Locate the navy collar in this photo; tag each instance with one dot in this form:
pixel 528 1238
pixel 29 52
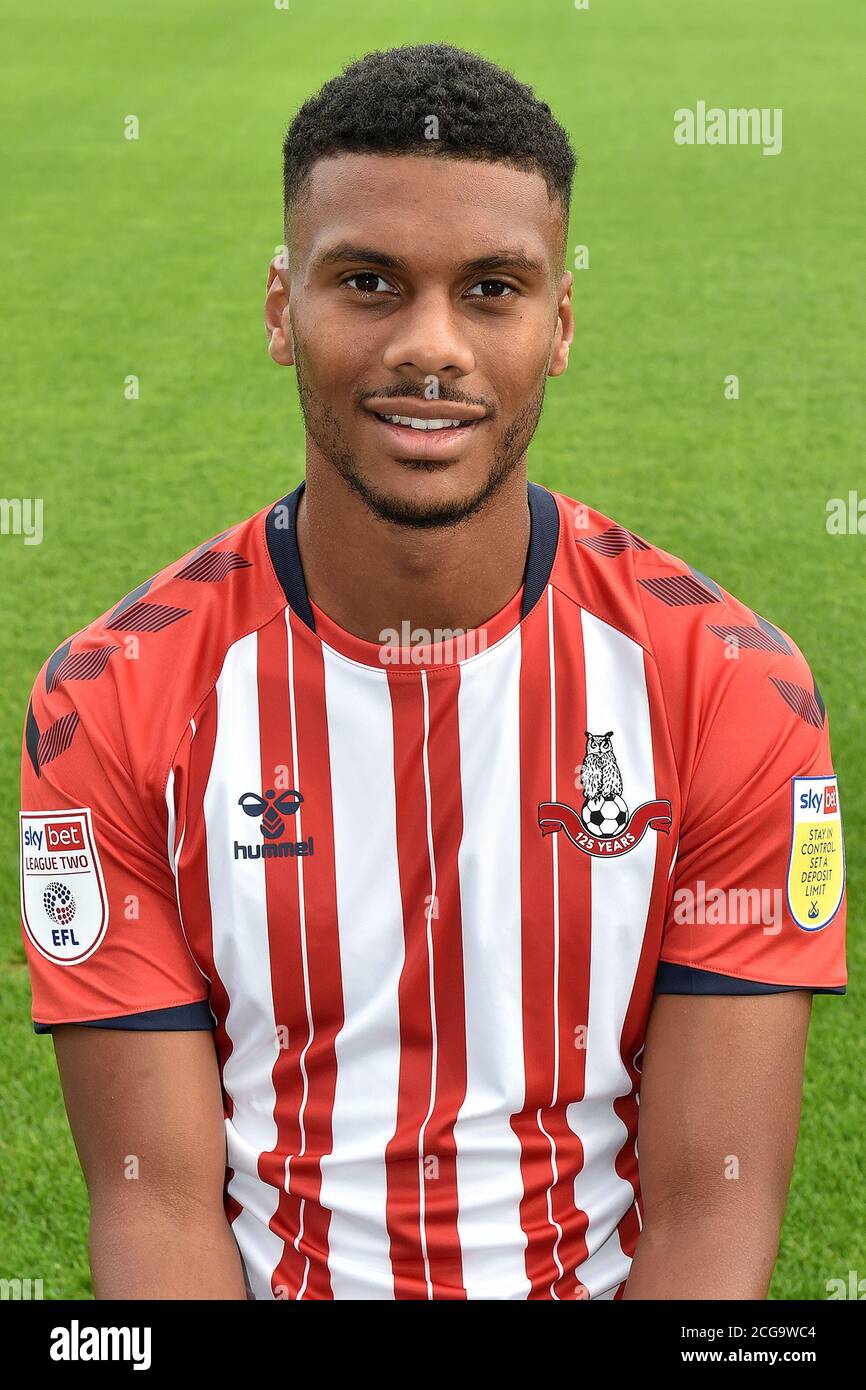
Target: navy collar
pixel 282 538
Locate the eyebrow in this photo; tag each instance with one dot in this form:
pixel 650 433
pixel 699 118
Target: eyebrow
pixel 345 251
pixel 506 259
pixel 503 260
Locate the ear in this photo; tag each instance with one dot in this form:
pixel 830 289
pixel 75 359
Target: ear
pixel 587 734
pixel 564 329
pixel 277 323
pixel 609 733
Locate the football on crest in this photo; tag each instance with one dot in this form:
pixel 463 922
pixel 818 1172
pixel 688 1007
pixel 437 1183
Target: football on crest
pixel 605 815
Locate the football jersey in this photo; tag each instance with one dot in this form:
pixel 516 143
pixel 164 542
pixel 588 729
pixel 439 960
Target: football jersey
pixel 425 889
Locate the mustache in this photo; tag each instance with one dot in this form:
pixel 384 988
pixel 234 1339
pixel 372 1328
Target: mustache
pixel 417 391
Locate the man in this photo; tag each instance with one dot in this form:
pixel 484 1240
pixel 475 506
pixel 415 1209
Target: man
pixel 458 812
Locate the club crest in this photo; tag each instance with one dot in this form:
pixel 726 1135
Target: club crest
pixel 604 826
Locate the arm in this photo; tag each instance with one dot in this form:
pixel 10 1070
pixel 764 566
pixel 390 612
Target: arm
pixel 146 1114
pixel 721 1088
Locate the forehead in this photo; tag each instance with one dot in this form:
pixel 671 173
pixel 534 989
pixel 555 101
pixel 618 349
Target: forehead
pixel 425 209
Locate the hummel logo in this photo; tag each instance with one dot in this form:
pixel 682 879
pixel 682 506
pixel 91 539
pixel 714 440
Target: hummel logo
pixel 273 808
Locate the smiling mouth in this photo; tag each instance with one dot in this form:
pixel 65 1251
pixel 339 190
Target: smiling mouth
pixel 414 422
pixel 424 433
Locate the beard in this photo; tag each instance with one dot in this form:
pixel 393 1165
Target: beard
pixel 324 428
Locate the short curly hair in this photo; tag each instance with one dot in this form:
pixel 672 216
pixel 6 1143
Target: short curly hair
pixel 384 102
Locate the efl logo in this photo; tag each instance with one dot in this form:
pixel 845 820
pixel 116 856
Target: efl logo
pixel 64 835
pixel 830 799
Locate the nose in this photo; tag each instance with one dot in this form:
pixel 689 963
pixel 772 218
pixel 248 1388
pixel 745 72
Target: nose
pixel 428 339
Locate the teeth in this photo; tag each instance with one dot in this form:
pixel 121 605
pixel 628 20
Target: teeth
pixel 414 423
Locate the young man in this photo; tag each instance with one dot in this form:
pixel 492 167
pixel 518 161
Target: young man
pixel 458 812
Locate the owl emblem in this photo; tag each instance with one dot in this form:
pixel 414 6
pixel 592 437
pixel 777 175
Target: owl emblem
pixel 604 812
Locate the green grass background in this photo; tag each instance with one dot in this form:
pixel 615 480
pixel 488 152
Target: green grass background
pixel 149 257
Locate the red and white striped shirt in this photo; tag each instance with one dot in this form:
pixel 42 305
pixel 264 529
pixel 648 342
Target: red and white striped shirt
pixel 425 893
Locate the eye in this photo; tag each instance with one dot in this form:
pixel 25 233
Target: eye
pixel 368 282
pixel 491 289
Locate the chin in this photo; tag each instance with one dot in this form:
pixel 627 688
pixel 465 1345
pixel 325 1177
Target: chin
pixel 426 495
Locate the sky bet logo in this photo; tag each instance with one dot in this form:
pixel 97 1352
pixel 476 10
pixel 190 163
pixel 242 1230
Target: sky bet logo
pixel 56 835
pixel 823 802
pixel 272 810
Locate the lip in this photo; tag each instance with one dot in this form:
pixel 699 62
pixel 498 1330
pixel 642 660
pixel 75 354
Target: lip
pixel 431 445
pixel 423 410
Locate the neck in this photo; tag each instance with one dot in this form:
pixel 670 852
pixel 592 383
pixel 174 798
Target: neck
pixel 369 575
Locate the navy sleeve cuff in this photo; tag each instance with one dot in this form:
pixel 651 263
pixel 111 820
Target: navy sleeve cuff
pixel 687 979
pixel 182 1018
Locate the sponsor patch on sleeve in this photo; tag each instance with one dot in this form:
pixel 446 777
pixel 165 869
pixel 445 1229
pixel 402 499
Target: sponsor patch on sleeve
pixel 816 865
pixel 64 905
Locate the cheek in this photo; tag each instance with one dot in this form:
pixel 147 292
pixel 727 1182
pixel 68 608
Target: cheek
pixel 516 356
pixel 328 353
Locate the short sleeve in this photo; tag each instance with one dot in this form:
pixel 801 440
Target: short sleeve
pixel 757 896
pixel 99 912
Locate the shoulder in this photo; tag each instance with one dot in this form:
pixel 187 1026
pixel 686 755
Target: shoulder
pixel 131 679
pixel 713 657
